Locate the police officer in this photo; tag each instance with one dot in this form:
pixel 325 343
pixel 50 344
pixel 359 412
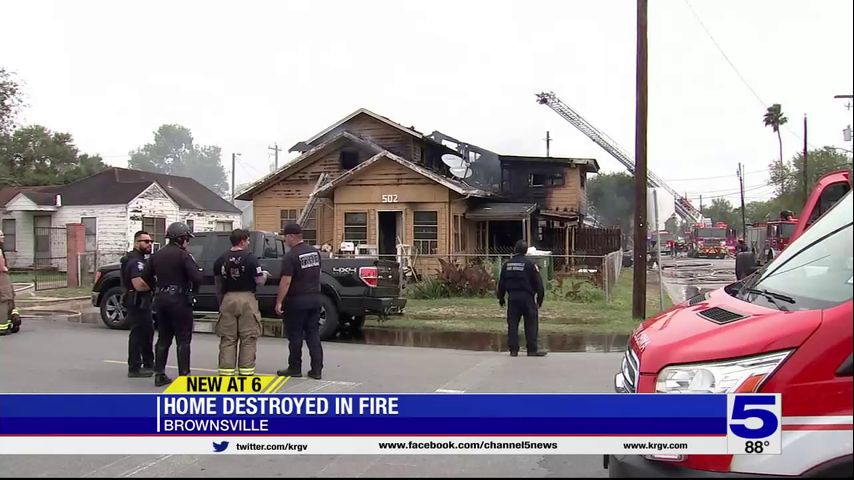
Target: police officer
pixel 176 275
pixel 137 300
pixel 236 274
pixel 520 280
pixel 299 289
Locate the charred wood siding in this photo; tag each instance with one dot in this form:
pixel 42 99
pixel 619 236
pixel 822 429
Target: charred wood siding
pixel 570 196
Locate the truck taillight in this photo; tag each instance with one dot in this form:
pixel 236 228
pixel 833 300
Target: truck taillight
pixel 369 275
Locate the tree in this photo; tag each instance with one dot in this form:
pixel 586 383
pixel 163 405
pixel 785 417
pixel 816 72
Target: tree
pixel 611 197
pixel 174 153
pixel 35 155
pixel 672 225
pixel 721 210
pixel 774 118
pixel 11 101
pixel 788 177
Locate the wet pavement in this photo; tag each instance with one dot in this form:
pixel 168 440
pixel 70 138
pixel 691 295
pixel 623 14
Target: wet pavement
pixel 482 341
pixel 685 277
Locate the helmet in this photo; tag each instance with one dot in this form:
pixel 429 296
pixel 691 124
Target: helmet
pixel 177 230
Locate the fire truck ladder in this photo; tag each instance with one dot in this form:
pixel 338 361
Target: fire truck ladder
pixel 683 207
pixel 312 199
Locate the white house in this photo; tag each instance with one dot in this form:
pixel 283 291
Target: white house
pixel 113 205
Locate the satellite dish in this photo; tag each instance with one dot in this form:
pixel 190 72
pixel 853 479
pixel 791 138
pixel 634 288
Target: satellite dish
pixel 461 172
pixel 453 161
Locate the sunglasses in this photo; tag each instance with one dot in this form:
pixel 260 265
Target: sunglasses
pixel 144 241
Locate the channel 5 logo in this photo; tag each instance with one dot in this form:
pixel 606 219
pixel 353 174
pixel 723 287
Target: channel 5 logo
pixel 754 416
pixel 220 447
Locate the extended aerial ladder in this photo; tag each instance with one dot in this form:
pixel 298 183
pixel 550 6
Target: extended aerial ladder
pixel 683 207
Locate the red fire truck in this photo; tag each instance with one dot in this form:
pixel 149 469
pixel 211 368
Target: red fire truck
pixel 711 241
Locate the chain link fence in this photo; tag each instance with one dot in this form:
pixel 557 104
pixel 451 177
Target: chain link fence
pixel 603 271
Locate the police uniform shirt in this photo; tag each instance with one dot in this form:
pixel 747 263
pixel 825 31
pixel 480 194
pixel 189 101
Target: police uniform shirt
pixel 302 264
pixel 520 275
pixel 238 270
pixel 172 266
pixel 135 266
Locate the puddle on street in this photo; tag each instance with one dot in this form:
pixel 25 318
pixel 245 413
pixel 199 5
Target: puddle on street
pixel 480 341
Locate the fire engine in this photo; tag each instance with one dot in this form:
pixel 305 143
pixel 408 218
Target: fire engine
pixel 768 238
pixel 711 241
pixel 785 329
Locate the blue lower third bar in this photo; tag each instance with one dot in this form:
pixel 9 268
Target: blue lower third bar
pixel 389 414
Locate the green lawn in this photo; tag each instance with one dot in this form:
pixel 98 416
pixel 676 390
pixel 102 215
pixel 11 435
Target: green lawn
pixel 556 317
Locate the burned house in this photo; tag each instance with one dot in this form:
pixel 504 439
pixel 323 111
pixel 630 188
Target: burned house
pixel 371 181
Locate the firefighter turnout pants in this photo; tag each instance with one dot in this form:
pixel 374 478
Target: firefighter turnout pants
pixel 7 304
pixel 238 328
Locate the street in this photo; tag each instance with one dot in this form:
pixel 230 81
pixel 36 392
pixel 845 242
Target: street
pixel 57 356
pixel 685 277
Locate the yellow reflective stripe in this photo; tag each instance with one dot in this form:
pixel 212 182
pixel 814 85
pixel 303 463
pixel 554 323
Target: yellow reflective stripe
pixel 227 372
pixel 247 372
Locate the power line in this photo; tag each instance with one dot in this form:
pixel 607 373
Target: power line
pixel 734 68
pixel 710 178
pixel 752 187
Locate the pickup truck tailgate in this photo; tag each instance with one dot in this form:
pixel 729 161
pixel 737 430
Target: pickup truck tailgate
pixel 388 283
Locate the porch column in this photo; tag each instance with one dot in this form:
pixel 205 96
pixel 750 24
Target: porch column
pixel 75 243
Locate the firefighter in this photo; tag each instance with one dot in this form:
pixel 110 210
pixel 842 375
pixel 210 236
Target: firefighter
pixel 137 301
pixel 175 275
pixel 236 274
pixel 520 281
pixel 10 319
pixel 299 289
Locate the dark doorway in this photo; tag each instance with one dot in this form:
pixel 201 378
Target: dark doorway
pixel 389 232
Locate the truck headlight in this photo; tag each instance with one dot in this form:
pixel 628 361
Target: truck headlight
pixel 742 375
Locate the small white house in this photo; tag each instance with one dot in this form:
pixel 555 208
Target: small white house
pixel 113 205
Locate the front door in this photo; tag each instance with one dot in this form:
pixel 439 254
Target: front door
pixel 389 229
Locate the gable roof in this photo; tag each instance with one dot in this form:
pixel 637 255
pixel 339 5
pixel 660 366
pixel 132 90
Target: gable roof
pixel 301 145
pixel 303 161
pixel 115 186
pixel 8 193
pixel 452 184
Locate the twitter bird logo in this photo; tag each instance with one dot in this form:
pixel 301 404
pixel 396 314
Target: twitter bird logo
pixel 220 447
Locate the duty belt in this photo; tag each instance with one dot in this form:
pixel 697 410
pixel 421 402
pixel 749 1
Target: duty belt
pixel 173 290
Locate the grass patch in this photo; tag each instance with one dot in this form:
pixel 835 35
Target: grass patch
pixel 65 292
pixel 556 317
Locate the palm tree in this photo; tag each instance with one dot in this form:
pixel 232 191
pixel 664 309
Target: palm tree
pixel 774 118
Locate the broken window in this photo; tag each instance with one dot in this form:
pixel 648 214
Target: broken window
pixel 349 159
pixel 545 179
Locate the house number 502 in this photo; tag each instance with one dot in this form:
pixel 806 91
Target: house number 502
pixel 389 198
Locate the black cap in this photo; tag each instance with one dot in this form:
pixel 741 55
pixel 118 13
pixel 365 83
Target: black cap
pixel 292 229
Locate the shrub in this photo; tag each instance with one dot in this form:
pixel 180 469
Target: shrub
pixel 582 291
pixel 470 280
pixel 427 289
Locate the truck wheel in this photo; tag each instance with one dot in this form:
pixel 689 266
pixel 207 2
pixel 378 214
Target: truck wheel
pixel 328 318
pixel 357 323
pixel 113 313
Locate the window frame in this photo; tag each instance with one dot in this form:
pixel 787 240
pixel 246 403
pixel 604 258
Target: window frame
pixel 419 244
pixel 93 235
pixel 159 237
pixel 286 219
pixel 350 227
pixel 10 246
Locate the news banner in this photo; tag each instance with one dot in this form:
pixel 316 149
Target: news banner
pixel 249 415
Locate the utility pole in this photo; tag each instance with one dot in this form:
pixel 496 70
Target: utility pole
pixel 703 215
pixel 275 148
pixel 548 143
pixel 806 181
pixel 639 274
pixel 741 188
pixel 233 162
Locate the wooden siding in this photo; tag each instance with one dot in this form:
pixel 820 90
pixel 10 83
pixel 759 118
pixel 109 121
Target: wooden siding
pixel 567 196
pixel 369 128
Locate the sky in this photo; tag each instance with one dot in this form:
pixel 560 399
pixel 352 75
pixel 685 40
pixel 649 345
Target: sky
pixel 246 75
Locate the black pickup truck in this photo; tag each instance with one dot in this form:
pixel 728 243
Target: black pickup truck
pixel 352 287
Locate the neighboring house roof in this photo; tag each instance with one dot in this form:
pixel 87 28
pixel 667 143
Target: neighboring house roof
pixel 8 193
pixel 115 186
pixel 455 185
pixel 590 165
pixel 303 161
pixel 501 211
pixel 302 145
